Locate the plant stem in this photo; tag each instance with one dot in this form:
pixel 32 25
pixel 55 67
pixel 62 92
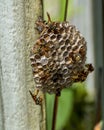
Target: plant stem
pixel 42 3
pixel 55 112
pixel 58 94
pixel 66 8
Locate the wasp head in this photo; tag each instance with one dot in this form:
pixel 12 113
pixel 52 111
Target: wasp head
pixel 42 24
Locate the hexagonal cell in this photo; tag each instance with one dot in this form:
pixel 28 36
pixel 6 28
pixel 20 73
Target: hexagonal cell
pixel 59 37
pixel 53 37
pixel 53 47
pixel 62 30
pixel 75 41
pixel 39 66
pixel 46 38
pixel 59 51
pixel 54 53
pixel 50 44
pixel 42 40
pixel 65 70
pixel 56 77
pixel 65 53
pixel 67 41
pixel 41 73
pixel 56 45
pixel 68 48
pixel 73 29
pixel 55 31
pixel 69 81
pixel 77 32
pixel 71 42
pixel 33 63
pixel 63 47
pixel 62 42
pixel 71 37
pixel 51 66
pixel 64 35
pixel 37 57
pixel 62 63
pixel 32 57
pixel 65 24
pixel 34 70
pixel 45 67
pixel 62 81
pixel 67 30
pixel 76 36
pixel 74 48
pixel 45 35
pixel 44 60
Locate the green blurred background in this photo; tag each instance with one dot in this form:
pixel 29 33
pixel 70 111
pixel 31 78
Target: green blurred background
pixel 80 104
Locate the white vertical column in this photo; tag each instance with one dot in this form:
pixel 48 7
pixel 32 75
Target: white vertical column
pixel 12 52
pixel 17 36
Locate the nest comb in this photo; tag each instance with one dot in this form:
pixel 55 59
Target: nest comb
pixel 58 56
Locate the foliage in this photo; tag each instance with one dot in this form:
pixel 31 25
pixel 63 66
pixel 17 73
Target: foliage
pixel 71 108
pixel 56 9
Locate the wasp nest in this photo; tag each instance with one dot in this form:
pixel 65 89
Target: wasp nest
pixel 58 56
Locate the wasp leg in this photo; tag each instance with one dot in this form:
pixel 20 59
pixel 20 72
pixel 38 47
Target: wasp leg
pixel 36 98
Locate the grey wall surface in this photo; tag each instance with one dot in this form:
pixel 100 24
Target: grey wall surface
pixel 17 35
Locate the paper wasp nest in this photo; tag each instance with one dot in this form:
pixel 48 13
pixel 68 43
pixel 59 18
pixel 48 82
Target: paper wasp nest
pixel 58 56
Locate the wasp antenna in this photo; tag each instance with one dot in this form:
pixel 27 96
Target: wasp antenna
pixel 49 18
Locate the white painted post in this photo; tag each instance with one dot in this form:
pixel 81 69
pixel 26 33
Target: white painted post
pixel 17 35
